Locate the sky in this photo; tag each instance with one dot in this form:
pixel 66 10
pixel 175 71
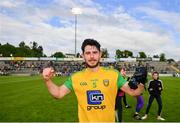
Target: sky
pixel 151 26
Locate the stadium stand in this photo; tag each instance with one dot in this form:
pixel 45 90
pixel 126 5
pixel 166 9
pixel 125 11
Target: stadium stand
pixel 65 67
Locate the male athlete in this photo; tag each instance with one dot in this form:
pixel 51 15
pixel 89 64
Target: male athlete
pixel 95 87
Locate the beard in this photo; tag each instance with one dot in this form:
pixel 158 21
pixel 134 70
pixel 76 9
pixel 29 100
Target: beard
pixel 92 66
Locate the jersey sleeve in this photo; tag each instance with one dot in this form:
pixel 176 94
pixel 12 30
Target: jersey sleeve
pixel 120 81
pixel 68 84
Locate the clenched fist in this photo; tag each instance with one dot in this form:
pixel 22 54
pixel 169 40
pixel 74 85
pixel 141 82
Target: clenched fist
pixel 48 73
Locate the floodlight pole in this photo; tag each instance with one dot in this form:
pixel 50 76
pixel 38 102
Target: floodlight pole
pixel 75 34
pixel 76 12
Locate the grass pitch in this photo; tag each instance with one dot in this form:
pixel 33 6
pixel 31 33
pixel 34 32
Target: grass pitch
pixel 26 99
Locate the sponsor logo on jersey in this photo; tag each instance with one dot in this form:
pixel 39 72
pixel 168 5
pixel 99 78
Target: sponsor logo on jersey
pixel 94 99
pixel 96 107
pixel 83 83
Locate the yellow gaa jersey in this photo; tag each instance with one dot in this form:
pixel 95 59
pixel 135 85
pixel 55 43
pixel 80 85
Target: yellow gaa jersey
pixel 96 93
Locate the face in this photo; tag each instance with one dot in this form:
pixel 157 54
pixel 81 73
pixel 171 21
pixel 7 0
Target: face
pixel 155 76
pixel 123 72
pixel 91 56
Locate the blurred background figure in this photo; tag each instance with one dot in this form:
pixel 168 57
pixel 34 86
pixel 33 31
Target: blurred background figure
pixel 120 95
pixel 155 87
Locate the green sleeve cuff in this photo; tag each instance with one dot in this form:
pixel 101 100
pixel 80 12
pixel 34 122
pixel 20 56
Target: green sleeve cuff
pixel 120 81
pixel 68 84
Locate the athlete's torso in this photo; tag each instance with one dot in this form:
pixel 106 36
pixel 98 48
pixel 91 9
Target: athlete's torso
pixel 96 93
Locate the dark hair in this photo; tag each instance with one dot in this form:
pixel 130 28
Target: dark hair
pixel 155 72
pixel 91 42
pixel 122 68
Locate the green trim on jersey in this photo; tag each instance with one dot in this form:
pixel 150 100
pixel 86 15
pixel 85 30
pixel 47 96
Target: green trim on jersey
pixel 120 81
pixel 68 83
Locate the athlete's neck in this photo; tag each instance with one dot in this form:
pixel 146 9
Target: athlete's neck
pixel 94 69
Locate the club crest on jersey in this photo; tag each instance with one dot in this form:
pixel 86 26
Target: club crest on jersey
pixel 106 82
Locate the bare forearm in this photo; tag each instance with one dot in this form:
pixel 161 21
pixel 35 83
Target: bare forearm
pixel 139 90
pixel 53 89
pixel 57 91
pixel 133 92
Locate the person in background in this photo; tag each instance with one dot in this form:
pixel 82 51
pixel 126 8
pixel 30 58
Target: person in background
pixel 139 106
pixel 119 96
pixel 155 87
pixel 140 100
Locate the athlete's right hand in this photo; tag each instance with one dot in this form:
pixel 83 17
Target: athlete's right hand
pixel 48 73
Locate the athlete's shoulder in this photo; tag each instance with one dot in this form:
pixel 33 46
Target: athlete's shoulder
pixel 109 69
pixel 78 73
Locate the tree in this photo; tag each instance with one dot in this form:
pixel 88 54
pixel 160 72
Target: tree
pixel 37 51
pixel 78 55
pixel 105 53
pixel 155 56
pixel 40 50
pixel 7 49
pixel 170 60
pixel 34 45
pixel 142 55
pixel 23 50
pixel 22 44
pixel 123 54
pixel 119 54
pixel 162 57
pixel 127 54
pixel 58 55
